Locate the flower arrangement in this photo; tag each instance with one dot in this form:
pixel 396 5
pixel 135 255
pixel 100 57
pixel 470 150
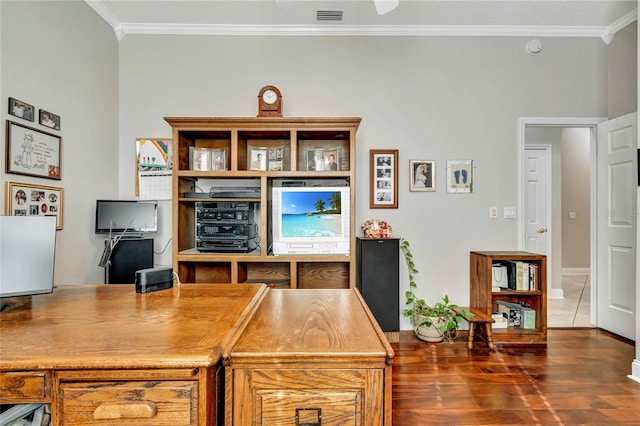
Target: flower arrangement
pixel 376 228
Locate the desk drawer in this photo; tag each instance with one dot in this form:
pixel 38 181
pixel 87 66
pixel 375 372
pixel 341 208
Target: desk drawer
pixel 325 407
pixel 131 403
pixel 24 386
pixel 288 397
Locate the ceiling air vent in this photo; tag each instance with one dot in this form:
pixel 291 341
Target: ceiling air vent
pixel 329 15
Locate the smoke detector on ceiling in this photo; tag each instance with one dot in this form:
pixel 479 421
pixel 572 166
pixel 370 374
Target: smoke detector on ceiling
pixel 534 46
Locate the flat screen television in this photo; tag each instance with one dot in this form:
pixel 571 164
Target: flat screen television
pixel 27 254
pixel 310 220
pixel 126 216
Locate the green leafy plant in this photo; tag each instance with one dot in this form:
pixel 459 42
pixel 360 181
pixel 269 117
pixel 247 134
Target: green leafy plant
pixel 441 314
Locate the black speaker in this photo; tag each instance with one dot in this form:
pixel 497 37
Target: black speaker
pixel 378 279
pixel 127 257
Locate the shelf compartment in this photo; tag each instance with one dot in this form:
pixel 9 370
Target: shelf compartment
pixel 274 146
pixel 314 275
pixel 212 139
pixel 313 154
pixel 274 274
pixel 200 272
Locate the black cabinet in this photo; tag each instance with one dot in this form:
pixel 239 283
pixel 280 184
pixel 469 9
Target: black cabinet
pixel 128 256
pixel 378 279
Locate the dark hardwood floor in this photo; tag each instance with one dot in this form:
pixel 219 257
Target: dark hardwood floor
pixel 580 378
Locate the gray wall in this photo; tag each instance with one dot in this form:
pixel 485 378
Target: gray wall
pixel 432 98
pixel 62 57
pixel 622 60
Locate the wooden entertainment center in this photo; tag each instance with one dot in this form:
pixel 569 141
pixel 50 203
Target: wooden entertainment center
pixel 198 354
pixel 211 154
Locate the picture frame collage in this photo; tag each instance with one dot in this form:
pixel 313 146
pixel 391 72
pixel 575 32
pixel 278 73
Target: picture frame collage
pixel 24 199
pixel 323 159
pixel 26 111
pixel 33 152
pixel 383 190
pixel 459 176
pixel 208 159
pixel 266 158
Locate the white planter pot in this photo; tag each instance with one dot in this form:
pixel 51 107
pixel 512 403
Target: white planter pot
pixel 431 333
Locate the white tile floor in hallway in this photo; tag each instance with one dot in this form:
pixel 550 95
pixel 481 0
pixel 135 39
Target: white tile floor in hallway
pixel 574 309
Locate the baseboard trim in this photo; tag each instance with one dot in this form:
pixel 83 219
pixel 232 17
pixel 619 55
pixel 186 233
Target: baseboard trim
pixel 635 370
pixel 575 271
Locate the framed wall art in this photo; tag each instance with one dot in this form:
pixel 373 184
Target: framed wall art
pixel 153 164
pixel 25 199
pixel 21 109
pixel 459 176
pixel 383 181
pixel 32 152
pixel 423 175
pixel 49 120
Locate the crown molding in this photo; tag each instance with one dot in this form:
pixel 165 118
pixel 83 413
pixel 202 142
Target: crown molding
pixel 612 29
pixel 364 30
pixel 122 29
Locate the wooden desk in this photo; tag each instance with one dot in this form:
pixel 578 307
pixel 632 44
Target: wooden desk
pixel 107 355
pixel 310 357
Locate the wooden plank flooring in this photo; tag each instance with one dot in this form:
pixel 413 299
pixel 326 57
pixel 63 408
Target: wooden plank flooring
pixel 580 378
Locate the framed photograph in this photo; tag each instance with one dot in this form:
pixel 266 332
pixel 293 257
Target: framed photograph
pixel 24 199
pixel 315 160
pixel 383 181
pixel 49 120
pixel 200 158
pixel 32 152
pixel 275 165
pixel 21 109
pixel 219 160
pixel 423 175
pixel 460 176
pixel 331 160
pixel 258 158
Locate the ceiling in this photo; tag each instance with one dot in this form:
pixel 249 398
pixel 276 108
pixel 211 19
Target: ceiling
pixel 582 18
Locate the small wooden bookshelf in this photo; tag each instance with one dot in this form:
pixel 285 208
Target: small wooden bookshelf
pixel 485 298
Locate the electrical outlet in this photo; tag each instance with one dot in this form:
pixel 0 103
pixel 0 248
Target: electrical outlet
pixel 493 212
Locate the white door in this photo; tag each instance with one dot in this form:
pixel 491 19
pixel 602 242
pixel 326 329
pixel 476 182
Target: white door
pixel 616 225
pixel 537 192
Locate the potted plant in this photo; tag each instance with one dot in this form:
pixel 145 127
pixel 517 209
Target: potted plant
pixel 430 323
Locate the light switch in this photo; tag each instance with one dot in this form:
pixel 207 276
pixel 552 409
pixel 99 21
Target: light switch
pixel 493 212
pixel 572 215
pixel 509 212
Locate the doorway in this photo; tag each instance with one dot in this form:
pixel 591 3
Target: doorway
pixel 557 156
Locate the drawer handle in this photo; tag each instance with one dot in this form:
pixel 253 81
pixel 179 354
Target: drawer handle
pixel 131 410
pixel 308 416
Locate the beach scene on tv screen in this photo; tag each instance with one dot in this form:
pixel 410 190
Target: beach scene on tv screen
pixel 311 214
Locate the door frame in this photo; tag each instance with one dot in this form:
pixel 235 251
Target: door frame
pixel 592 124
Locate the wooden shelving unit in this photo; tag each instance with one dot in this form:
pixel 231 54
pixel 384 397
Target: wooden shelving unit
pixel 292 139
pixel 484 299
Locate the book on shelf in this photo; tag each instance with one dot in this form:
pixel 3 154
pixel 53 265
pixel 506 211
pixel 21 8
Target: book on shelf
pixel 517 315
pixel 528 318
pixel 522 276
pixel 500 320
